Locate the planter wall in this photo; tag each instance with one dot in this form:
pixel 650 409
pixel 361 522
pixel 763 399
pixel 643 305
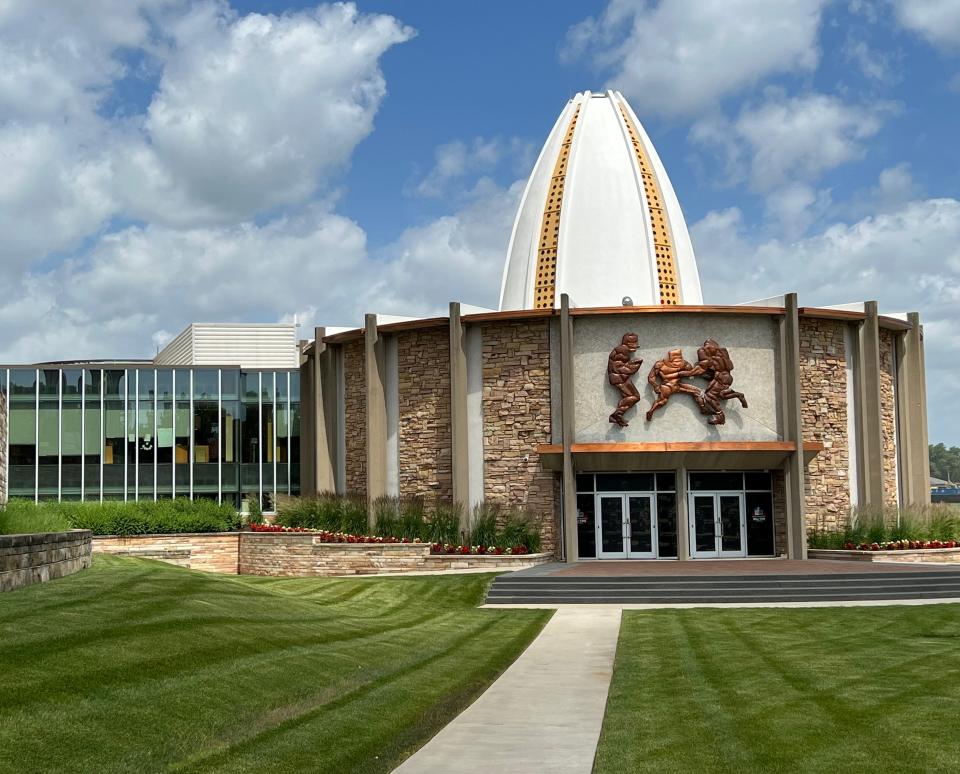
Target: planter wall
pixel 212 552
pixel 300 554
pixel 938 555
pixel 27 559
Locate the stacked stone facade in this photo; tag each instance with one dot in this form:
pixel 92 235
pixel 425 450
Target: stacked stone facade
pixel 211 552
pixel 823 388
pixel 516 418
pixel 888 417
pixel 779 512
pixel 355 417
pixel 423 423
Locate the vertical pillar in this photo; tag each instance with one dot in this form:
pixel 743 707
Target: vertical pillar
pixel 569 499
pixel 871 431
pixel 460 455
pixel 925 444
pixel 793 430
pixel 683 517
pixel 374 369
pixel 322 453
pixel 308 485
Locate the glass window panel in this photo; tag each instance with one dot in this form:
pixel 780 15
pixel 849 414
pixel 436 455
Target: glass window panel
pixel 49 381
pixel 281 388
pixel 22 438
pixel 584 482
pixel 294 441
pixel 115 383
pixel 72 383
pixel 115 431
pixel 667 525
pixel 23 384
pixel 183 383
pixel 71 438
pixel 205 384
pixel 206 445
pixel 666 482
pixel 49 432
pixel 759 523
pixel 250 386
pixel 91 386
pixel 624 482
pixel 716 481
pixel 586 526
pixel 230 384
pixel 758 479
pixel 165 432
pixel 266 386
pixel 164 384
pixel 145 383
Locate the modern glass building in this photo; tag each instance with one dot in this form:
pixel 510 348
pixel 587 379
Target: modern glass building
pixel 135 430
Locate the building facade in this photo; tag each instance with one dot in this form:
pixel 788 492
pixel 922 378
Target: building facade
pixel 177 426
pixel 605 399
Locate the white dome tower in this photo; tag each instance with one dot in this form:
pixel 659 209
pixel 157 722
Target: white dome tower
pixel 599 219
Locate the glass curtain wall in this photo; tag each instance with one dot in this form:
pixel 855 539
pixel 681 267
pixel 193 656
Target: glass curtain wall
pixel 145 433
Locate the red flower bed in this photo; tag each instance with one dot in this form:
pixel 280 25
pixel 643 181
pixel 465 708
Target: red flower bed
pixel 902 545
pixel 436 548
pixel 452 550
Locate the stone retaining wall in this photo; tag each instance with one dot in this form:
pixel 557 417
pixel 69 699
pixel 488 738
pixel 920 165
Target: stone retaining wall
pixel 298 555
pixel 197 551
pixel 938 555
pixel 27 559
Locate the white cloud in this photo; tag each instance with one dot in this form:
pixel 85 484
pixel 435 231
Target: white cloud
pixel 458 257
pixel 936 20
pixel 454 161
pixel 680 57
pixel 908 259
pixel 258 111
pixel 790 138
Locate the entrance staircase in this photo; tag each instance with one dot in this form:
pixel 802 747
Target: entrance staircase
pixel 520 589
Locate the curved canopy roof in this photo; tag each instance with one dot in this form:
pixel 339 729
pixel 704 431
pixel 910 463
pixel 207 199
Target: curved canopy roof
pixel 599 219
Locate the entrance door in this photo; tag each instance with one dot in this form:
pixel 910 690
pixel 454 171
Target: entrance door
pixel 626 526
pixel 717 525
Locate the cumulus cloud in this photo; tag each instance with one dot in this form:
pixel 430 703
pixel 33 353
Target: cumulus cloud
pixel 680 57
pixel 938 21
pixel 122 225
pixel 789 138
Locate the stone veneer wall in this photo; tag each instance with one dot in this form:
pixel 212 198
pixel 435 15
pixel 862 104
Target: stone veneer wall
pixel 779 512
pixel 355 417
pixel 212 552
pixel 3 448
pixel 516 418
pixel 28 559
pixel 888 417
pixel 823 391
pixel 424 436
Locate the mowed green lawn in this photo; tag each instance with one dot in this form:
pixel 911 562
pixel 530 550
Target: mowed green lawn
pixel 139 666
pixel 872 689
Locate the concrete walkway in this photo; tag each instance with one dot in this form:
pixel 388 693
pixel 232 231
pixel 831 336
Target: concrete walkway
pixel 543 714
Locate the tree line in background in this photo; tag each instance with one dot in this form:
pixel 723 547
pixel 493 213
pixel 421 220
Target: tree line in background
pixel 945 462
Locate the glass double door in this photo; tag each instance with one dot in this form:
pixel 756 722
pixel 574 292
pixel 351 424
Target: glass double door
pixel 626 526
pixel 717 525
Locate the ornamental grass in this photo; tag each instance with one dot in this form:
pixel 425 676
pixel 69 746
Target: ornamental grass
pixel 868 526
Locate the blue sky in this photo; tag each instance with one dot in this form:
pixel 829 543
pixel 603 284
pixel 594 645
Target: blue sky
pixel 177 160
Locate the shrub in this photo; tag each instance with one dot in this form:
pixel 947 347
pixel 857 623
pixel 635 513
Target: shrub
pixel 126 518
pixel 328 511
pixel 254 511
pixel 20 517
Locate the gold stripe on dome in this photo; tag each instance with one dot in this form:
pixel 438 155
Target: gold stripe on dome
pixel 659 221
pixel 544 292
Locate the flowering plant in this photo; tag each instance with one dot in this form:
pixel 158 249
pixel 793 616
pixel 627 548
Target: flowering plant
pixel 459 550
pixel 327 536
pixel 902 545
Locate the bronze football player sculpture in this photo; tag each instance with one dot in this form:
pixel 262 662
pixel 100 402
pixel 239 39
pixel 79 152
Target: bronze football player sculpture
pixel 714 363
pixel 619 370
pixel 665 377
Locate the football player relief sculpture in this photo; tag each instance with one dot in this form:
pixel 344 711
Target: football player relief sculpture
pixel 666 378
pixel 620 369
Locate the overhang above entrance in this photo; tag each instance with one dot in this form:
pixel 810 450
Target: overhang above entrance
pixel 707 455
